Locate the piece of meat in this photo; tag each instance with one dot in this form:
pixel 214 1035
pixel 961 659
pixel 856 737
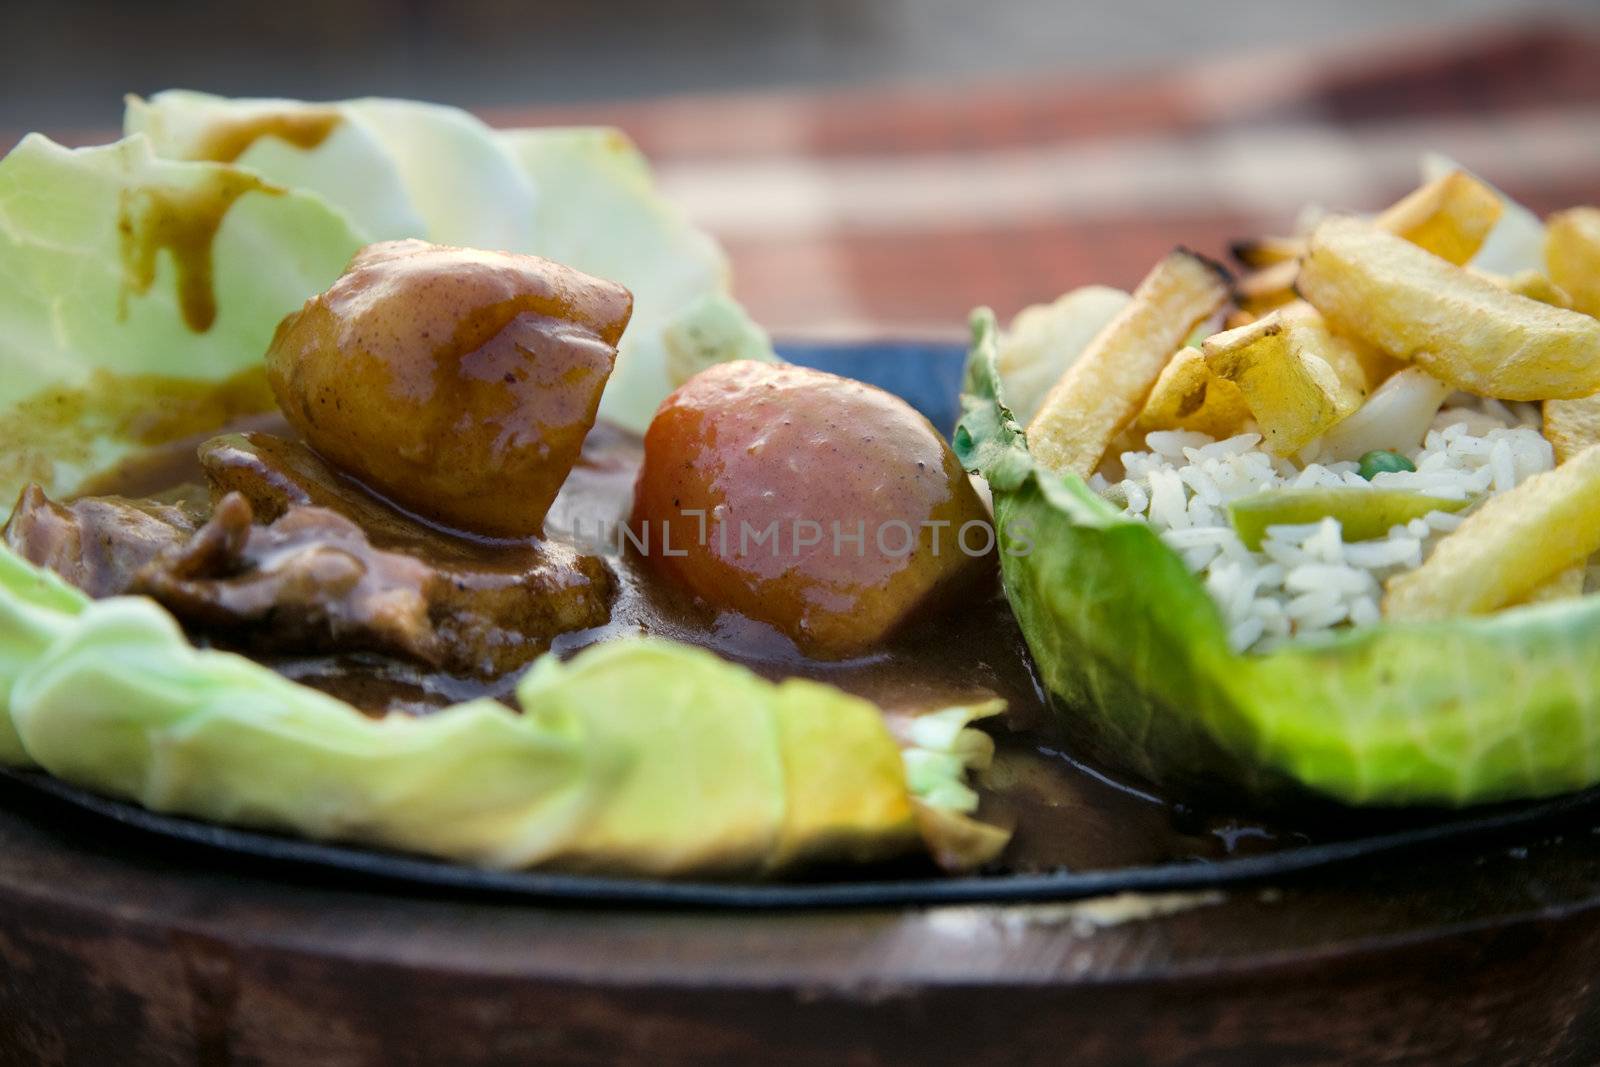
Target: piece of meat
pixel 309 580
pixel 96 543
pixel 332 569
pixel 312 580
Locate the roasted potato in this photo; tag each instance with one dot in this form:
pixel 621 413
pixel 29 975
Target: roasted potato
pixel 458 383
pixel 1510 546
pixel 1104 390
pixel 1461 328
pixel 823 507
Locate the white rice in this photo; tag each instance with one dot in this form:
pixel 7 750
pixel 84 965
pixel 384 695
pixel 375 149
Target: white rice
pixel 1306 579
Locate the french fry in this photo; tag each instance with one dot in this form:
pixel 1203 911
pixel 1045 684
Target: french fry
pixel 1461 328
pixel 1513 543
pixel 1103 391
pixel 1449 216
pixel 1572 256
pixel 1260 252
pixel 1571 425
pixel 1268 288
pixel 1563 585
pixel 1237 317
pixel 1044 339
pixel 1188 396
pixel 1536 286
pixel 1284 365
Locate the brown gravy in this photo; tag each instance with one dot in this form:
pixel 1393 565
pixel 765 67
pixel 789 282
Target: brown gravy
pixel 184 221
pixel 1064 813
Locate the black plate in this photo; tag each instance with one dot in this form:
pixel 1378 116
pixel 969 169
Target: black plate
pixel 1474 829
pixel 928 374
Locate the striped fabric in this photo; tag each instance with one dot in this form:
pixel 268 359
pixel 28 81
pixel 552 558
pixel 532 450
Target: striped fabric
pixel 896 211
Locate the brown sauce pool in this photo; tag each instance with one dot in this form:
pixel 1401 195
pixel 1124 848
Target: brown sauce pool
pixel 1064 814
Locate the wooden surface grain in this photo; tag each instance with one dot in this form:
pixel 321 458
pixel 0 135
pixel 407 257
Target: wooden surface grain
pixel 118 948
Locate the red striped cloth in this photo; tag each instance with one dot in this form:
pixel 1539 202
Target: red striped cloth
pixel 897 210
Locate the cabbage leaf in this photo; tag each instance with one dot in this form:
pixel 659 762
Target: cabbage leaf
pixel 1135 655
pixel 99 358
pixel 640 755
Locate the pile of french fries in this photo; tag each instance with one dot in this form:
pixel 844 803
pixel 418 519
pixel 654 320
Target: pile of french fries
pixel 1319 324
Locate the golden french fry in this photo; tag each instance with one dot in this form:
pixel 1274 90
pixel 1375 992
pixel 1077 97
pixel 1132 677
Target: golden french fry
pixel 1563 585
pixel 1044 339
pixel 1461 328
pixel 1104 389
pixel 1188 396
pixel 1571 425
pixel 1259 252
pixel 1284 365
pixel 1536 286
pixel 1268 288
pixel 1572 255
pixel 1237 317
pixel 1449 216
pixel 1513 543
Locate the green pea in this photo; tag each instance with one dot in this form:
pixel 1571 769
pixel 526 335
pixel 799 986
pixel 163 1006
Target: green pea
pixel 1380 460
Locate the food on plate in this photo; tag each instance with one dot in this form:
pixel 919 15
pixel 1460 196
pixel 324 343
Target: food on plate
pixel 1395 417
pixel 1534 285
pixel 297 420
pixel 1362 514
pixel 1297 379
pixel 827 508
pixel 1046 338
pixel 1571 425
pixel 1396 296
pixel 457 383
pixel 1188 396
pixel 1451 216
pixel 1103 389
pixel 1384 604
pixel 1508 547
pixel 1572 256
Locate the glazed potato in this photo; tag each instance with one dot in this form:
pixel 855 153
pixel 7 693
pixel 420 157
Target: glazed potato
pixel 458 383
pixel 826 508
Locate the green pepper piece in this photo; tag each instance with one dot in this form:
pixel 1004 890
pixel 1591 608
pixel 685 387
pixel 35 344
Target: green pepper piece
pixel 1363 514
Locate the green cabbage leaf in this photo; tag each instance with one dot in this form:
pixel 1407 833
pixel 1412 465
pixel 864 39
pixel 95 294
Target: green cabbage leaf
pixel 99 358
pixel 639 756
pixel 1135 656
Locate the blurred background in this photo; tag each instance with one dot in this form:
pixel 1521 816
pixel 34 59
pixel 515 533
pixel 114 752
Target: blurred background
pixel 882 165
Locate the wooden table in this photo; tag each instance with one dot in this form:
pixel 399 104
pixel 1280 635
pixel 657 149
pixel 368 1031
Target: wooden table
pixel 131 951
